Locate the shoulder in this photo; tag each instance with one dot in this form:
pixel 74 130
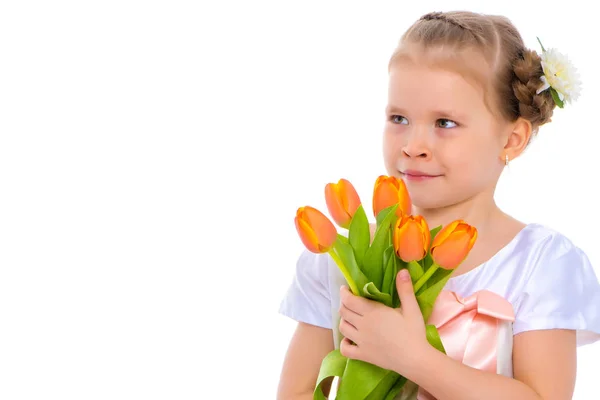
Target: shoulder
pixel 560 287
pixel 313 267
pixel 554 245
pixel 537 250
pixel 546 237
pixel 542 249
pixel 308 297
pixel 540 260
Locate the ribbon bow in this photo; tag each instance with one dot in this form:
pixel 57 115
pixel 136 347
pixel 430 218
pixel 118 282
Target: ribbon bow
pixel 468 328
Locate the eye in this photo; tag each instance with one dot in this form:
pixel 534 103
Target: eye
pixel 398 119
pixel 446 123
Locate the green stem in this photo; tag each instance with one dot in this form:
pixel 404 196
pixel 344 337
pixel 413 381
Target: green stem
pixel 415 268
pixel 422 280
pixel 345 272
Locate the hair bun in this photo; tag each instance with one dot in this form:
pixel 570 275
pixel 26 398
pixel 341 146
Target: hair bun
pixel 537 108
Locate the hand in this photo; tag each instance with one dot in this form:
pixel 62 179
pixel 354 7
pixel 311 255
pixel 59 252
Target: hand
pixel 390 338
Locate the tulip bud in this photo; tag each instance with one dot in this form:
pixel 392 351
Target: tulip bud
pixel 389 191
pixel 342 202
pixel 452 244
pixel 316 231
pixel 411 238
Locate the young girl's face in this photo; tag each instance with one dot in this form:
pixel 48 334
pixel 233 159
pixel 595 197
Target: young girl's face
pixel 440 137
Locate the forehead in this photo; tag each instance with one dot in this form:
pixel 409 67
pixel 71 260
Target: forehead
pixel 471 63
pixel 423 86
pixel 438 70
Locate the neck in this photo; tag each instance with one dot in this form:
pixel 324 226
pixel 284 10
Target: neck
pixel 477 211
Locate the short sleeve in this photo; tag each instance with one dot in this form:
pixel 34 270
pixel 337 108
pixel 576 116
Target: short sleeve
pixel 562 292
pixel 308 299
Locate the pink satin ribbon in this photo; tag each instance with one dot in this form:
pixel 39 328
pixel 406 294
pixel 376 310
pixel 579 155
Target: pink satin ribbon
pixel 468 328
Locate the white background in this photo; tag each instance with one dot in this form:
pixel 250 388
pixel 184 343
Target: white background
pixel 152 157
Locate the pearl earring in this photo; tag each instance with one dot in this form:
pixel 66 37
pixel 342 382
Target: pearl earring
pixel 506 160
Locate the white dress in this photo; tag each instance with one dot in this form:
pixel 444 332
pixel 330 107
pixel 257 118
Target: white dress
pixel 548 280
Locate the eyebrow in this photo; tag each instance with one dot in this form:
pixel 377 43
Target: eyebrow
pixel 394 110
pixel 450 114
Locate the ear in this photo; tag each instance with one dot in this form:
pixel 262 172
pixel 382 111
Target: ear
pixel 517 139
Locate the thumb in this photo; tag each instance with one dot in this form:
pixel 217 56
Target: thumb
pixel 410 307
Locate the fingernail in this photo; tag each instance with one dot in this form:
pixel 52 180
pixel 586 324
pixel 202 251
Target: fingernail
pixel 404 275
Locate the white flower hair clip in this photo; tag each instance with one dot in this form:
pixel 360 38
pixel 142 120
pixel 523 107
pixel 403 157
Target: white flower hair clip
pixel 560 77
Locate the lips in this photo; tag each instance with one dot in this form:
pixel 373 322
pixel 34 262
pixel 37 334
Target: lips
pixel 418 174
pixel 415 175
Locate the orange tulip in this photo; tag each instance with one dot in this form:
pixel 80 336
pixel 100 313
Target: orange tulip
pixel 342 202
pixel 411 238
pixel 390 191
pixel 316 231
pixel 452 244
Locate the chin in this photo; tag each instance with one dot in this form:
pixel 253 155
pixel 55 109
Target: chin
pixel 432 199
pixel 428 198
pixel 429 202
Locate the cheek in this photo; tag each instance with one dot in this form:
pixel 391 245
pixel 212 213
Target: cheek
pixel 473 160
pixel 391 148
pixel 454 155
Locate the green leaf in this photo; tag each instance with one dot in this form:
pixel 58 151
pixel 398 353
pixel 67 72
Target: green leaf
pixel 440 274
pixel 541 45
pixel 398 265
pixel 346 254
pixel 426 298
pixel 415 269
pixel 384 213
pixel 435 231
pixel 362 380
pixel 433 337
pixel 428 261
pixel 386 387
pixel 359 380
pixel 426 308
pixel 389 273
pixel 359 235
pixel 409 391
pixel 557 99
pixel 334 364
pixel 371 292
pixel 373 266
pixel 388 254
pixel 398 386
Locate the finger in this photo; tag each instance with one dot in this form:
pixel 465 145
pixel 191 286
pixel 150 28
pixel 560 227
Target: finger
pixel 406 293
pixel 348 330
pixel 349 315
pixel 357 304
pixel 349 349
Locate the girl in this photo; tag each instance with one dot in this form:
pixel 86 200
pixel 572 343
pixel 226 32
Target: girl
pixel 465 98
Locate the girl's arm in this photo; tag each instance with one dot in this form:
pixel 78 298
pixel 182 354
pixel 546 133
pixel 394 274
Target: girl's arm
pixel 544 368
pixel 308 347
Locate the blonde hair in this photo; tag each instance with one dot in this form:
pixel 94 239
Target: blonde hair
pixel 513 76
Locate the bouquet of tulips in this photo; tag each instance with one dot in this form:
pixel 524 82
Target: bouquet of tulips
pixel 369 266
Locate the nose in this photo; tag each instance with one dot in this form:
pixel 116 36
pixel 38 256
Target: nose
pixel 417 145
